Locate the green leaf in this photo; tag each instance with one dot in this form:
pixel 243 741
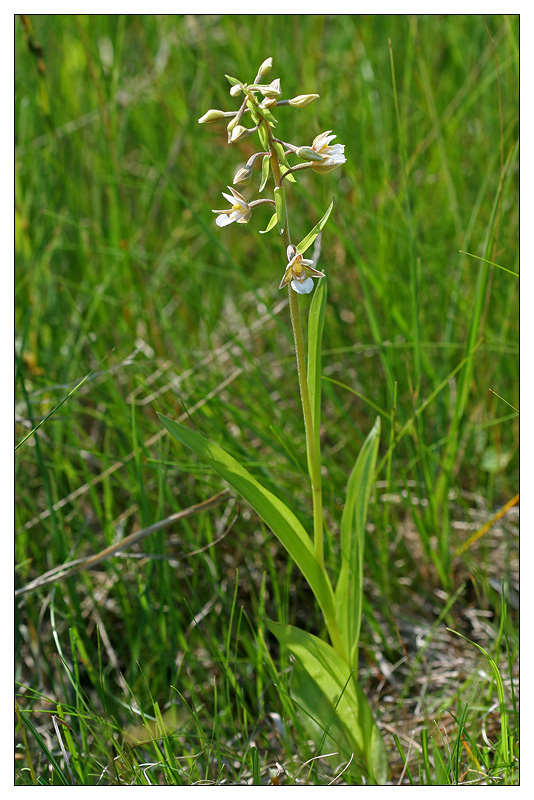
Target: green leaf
pixel 349 588
pixel 253 112
pixel 276 515
pixel 272 223
pixel 232 81
pixel 315 335
pixel 280 201
pixel 505 731
pixel 346 705
pixel 314 233
pixel 283 169
pixel 264 138
pixel 265 164
pixel 281 154
pixel 268 115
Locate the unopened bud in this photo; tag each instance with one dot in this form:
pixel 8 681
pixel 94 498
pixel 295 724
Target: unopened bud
pixel 302 100
pixel 273 89
pixel 265 68
pixel 243 175
pixel 309 154
pixel 213 115
pixel 237 133
pixel 269 102
pixel 235 90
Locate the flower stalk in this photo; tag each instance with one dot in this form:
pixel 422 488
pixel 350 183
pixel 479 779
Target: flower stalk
pixel 299 273
pixel 331 667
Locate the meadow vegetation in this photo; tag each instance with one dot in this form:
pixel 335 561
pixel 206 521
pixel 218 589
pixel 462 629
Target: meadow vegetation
pixel 153 664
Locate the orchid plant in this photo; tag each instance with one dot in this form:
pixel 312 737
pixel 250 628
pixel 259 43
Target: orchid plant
pixel 325 680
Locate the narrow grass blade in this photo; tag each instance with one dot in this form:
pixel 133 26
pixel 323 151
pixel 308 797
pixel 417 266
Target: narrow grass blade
pixel 349 588
pixel 42 422
pixel 504 744
pixel 348 705
pixel 279 518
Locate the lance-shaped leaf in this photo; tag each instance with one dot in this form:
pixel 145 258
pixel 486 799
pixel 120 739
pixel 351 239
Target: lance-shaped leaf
pixel 232 81
pixel 265 164
pixel 315 336
pixel 346 705
pixel 314 233
pixel 276 515
pixel 271 224
pixel 349 588
pixel 280 203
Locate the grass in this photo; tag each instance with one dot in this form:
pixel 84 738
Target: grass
pixel 155 667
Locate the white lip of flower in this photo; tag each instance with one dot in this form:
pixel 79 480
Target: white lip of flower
pixel 300 272
pixel 239 212
pixel 332 153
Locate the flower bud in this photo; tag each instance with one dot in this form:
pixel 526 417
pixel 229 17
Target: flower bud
pixel 237 133
pixel 265 68
pixel 269 102
pixel 235 90
pixel 273 89
pixel 302 100
pixel 230 127
pixel 309 154
pixel 243 175
pixel 213 115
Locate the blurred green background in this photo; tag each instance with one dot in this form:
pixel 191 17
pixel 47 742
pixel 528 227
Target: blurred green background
pixel 120 269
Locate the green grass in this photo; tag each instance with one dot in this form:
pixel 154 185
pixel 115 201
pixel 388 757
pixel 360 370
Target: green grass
pixel 156 666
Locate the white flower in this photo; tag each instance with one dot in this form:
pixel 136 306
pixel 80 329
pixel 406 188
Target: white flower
pixel 239 212
pixel 332 153
pixel 300 272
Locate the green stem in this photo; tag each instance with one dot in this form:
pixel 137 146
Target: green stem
pixel 314 467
